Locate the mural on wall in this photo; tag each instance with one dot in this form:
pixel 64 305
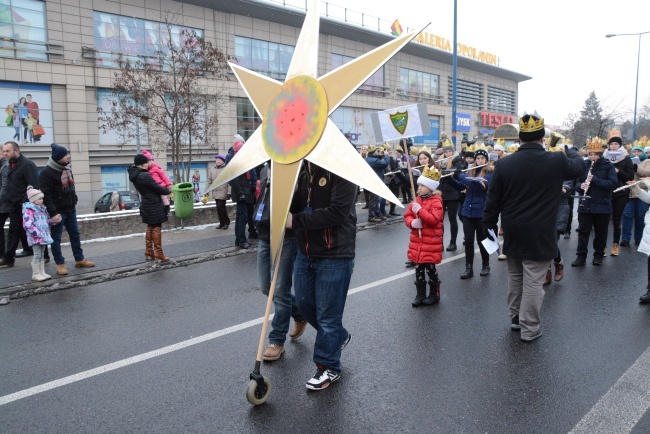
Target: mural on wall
pixel 357 123
pixel 27 113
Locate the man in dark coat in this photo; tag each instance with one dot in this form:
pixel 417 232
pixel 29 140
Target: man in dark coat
pixel 525 189
pixel 22 173
pixel 57 184
pixel 324 221
pixel 599 182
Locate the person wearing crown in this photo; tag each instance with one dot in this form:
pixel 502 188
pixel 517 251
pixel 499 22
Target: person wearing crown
pixel 475 183
pixel 635 209
pixel 450 195
pixel 524 191
pixel 624 172
pixel 424 216
pixel 598 181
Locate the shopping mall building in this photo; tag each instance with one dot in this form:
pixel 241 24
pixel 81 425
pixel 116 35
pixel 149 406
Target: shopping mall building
pixel 58 57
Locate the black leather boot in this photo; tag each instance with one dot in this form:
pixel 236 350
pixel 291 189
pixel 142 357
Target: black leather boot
pixel 468 272
pixel 645 298
pixel 452 246
pixel 485 269
pixel 421 288
pixel 434 295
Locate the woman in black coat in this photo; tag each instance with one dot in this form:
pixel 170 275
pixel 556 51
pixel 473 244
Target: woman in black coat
pixel 152 209
pixel 624 172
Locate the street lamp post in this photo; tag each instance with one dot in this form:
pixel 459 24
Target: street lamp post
pixel 638 60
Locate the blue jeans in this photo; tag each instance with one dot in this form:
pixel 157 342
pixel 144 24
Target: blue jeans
pixel 634 213
pixel 373 206
pixel 321 287
pixel 283 300
pixel 382 206
pixel 69 221
pixel 241 219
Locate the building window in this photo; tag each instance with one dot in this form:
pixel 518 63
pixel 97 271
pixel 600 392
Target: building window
pixel 468 95
pixel 247 118
pixel 267 58
pixel 502 101
pixel 356 122
pixel 418 86
pixel 27 113
pixel 373 86
pixel 126 38
pixel 108 102
pixel 23 32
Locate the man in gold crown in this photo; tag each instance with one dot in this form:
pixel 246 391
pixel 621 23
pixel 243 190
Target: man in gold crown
pixel 597 183
pixel 525 190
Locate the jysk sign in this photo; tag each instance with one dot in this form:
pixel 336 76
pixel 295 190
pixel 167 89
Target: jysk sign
pixel 495 119
pixel 463 122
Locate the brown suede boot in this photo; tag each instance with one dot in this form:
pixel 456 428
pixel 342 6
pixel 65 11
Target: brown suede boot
pixel 547 280
pixel 559 271
pixel 148 252
pixel 157 246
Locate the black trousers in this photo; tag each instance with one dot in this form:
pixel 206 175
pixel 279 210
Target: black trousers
pixel 430 270
pixel 600 223
pixel 16 234
pixel 568 223
pixel 451 206
pixel 222 212
pixel 618 205
pixel 472 227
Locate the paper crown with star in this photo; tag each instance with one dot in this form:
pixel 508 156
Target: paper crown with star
pixel 469 151
pixel 430 178
pixel 424 149
pixel 531 127
pixel 595 145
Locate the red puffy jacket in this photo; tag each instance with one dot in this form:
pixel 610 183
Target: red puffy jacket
pixel 428 249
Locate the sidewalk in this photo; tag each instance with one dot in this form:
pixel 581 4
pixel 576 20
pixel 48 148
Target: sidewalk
pixel 126 253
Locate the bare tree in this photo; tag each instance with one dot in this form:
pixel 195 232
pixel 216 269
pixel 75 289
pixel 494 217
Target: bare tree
pixel 594 120
pixel 178 92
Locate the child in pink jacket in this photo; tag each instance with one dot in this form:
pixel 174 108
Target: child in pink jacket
pixel 159 175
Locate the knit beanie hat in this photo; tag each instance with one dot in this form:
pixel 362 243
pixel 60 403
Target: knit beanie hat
pixel 147 154
pixel 58 152
pixel 220 157
pixel 614 135
pixel 33 194
pixel 237 146
pixel 139 160
pixel 239 138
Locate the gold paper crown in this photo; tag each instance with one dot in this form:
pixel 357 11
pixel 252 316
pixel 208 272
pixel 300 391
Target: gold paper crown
pixel 595 145
pixel 614 132
pixel 414 150
pixel 566 141
pixel 643 142
pixel 447 142
pixel 425 149
pixel 481 147
pixel 372 148
pixel 470 148
pixel 501 142
pixel 431 173
pixel 554 149
pixel 532 124
pixel 490 149
pixel 512 148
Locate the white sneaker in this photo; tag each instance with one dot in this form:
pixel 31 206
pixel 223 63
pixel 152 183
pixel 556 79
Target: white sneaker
pixel 322 379
pixel 502 257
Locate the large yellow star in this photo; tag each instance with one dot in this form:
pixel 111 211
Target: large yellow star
pixel 295 124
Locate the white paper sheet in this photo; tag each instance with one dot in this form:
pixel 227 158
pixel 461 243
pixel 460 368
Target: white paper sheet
pixel 492 246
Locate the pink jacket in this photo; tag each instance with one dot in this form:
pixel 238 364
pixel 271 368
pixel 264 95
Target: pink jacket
pixel 156 172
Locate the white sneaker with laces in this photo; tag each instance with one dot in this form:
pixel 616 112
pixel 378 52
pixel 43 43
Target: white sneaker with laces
pixel 322 379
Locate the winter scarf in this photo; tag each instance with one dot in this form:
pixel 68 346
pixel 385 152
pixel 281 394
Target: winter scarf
pixel 67 180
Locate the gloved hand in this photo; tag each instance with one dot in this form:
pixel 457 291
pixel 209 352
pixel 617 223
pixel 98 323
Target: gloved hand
pixel 487 235
pixel 416 224
pixel 415 207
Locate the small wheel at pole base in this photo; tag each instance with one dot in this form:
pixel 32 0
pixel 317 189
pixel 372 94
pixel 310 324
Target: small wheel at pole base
pixel 258 389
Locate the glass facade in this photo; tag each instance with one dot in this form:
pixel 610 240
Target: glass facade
pixel 373 86
pixel 247 118
pixel 105 100
pixel 126 38
pixel 28 113
pixel 23 32
pixel 502 101
pixel 267 58
pixel 418 86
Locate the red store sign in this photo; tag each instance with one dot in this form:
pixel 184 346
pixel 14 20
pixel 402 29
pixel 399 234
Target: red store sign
pixel 495 119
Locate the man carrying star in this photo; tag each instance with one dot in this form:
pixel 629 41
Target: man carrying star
pixel 324 221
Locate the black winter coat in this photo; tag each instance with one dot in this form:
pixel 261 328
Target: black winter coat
pixel 240 188
pixel 19 177
pixel 4 172
pixel 625 173
pixel 56 200
pixel 449 192
pixel 603 182
pixel 152 209
pixel 329 228
pixel 525 189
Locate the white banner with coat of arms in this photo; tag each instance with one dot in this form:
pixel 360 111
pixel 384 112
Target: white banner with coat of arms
pixel 401 122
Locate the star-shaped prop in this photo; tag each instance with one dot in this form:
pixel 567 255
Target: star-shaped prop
pixel 295 124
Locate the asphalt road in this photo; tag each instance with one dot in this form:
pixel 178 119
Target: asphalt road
pixel 454 367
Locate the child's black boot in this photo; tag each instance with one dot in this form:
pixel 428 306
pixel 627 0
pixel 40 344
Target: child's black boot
pixel 421 288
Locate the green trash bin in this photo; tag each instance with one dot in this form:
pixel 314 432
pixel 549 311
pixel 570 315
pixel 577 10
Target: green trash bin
pixel 183 200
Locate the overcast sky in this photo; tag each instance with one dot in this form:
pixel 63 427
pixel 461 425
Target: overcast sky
pixel 561 44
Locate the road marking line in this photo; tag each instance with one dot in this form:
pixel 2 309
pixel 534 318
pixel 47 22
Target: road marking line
pixel 175 347
pixel 624 404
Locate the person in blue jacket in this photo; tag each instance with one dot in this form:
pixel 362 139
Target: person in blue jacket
pixel 475 183
pixel 599 180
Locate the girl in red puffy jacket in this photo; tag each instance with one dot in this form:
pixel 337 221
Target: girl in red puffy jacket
pixel 424 217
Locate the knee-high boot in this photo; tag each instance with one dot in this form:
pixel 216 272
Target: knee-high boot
pixel 157 246
pixel 421 288
pixel 148 252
